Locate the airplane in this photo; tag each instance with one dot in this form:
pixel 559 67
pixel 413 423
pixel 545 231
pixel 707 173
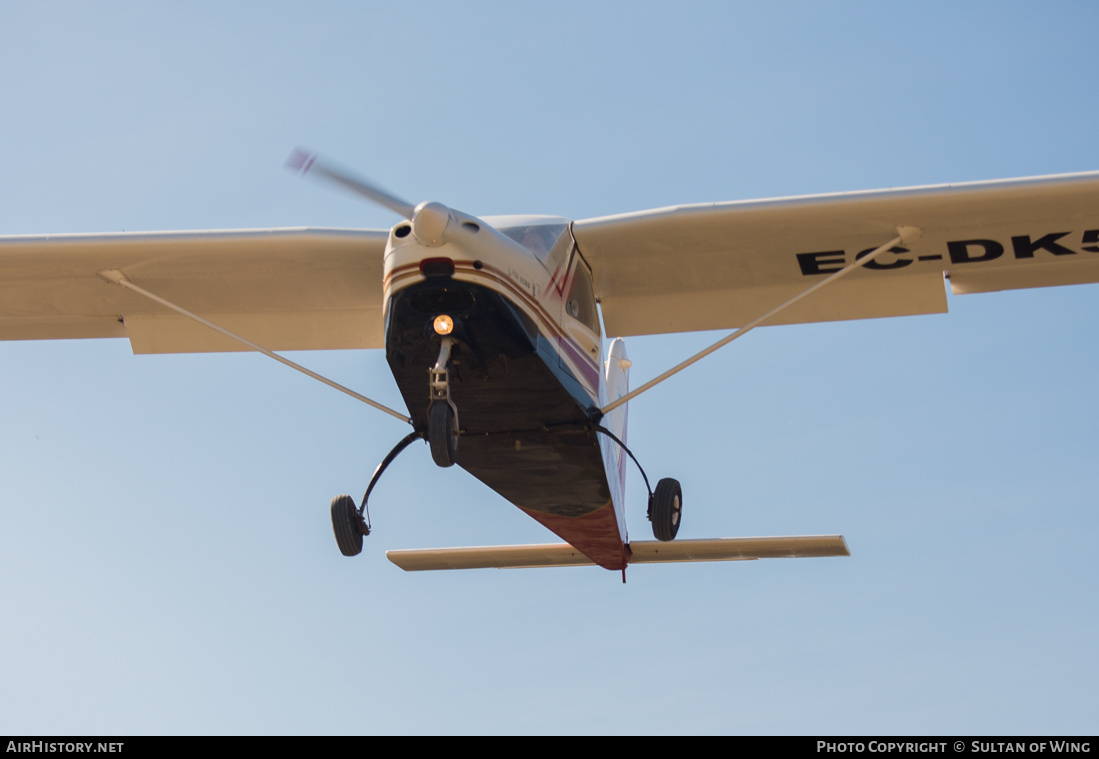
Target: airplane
pixel 494 327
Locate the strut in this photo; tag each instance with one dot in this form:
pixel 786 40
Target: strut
pixel 906 235
pixel 117 277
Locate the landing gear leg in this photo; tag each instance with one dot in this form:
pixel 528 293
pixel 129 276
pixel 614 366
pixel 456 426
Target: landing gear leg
pixel 665 505
pixel 351 524
pixel 442 414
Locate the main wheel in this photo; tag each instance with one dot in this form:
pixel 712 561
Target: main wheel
pixel 666 509
pixel 442 435
pixel 345 523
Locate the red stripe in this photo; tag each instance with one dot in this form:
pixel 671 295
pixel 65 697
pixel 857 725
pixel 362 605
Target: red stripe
pixel 560 290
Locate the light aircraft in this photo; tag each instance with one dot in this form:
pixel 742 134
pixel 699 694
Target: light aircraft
pixel 494 327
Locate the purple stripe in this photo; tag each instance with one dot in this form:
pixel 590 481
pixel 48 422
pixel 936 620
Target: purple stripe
pixel 591 373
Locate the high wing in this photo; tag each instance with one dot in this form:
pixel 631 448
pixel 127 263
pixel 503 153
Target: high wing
pixel 720 265
pixel 287 289
pixel 674 269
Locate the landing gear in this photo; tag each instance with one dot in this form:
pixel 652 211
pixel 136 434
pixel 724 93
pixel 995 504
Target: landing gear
pixel 348 525
pixel 442 415
pixel 442 433
pixel 665 504
pixel 665 509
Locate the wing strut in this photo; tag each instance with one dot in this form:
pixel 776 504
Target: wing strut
pixel 906 235
pixel 115 276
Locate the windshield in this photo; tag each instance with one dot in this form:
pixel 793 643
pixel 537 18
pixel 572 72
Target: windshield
pixel 540 237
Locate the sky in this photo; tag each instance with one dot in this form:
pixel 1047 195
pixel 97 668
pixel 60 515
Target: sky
pixel 166 557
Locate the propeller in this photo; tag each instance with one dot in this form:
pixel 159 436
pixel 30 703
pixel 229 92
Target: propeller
pixel 429 219
pixel 305 163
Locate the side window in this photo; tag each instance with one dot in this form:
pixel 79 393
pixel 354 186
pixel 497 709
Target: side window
pixel 580 303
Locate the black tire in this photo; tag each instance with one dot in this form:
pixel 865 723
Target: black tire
pixel 345 523
pixel 441 434
pixel 666 509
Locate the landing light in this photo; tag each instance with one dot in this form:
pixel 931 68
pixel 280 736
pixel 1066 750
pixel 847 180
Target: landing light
pixel 444 325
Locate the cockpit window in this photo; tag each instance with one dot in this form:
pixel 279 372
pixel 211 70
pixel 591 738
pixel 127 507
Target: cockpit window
pixel 580 303
pixel 540 239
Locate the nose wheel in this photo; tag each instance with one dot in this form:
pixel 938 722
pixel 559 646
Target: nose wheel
pixel 442 433
pixel 442 415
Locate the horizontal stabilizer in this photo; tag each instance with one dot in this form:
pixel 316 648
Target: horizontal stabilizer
pixel 642 552
pixel 738 549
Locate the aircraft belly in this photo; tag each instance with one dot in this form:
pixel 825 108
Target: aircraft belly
pixel 525 421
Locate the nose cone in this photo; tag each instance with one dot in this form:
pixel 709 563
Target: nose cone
pixel 429 222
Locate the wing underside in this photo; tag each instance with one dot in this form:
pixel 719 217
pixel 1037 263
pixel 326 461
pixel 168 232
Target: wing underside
pixel 718 266
pixel 286 289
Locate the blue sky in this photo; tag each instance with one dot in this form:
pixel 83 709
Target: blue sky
pixel 166 561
